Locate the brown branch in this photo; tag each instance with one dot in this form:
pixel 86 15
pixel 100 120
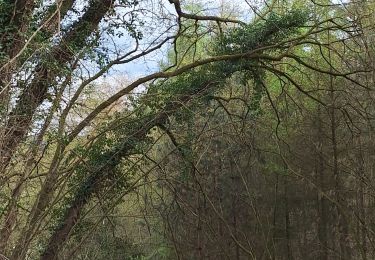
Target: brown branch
pixel 180 13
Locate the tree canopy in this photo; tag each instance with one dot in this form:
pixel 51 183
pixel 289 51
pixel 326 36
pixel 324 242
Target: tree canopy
pixel 187 129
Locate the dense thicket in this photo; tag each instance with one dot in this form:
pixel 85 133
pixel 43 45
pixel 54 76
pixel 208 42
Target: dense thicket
pixel 251 138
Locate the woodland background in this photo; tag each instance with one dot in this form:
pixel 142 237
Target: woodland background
pixel 158 129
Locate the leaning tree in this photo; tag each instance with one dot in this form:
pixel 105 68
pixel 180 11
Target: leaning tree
pixel 63 145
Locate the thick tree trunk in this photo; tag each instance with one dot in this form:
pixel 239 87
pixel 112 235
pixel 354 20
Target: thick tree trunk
pixel 95 180
pixel 32 97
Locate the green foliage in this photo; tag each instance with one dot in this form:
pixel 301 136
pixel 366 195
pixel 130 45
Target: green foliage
pixel 103 167
pixel 241 39
pixel 274 29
